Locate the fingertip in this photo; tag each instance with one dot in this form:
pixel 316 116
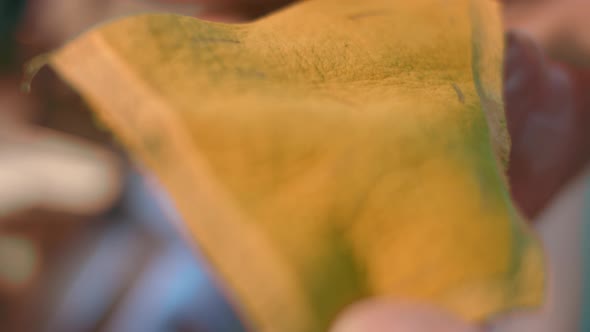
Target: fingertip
pixel 387 316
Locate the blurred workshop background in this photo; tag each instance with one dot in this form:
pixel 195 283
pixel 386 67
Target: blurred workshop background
pixel 87 240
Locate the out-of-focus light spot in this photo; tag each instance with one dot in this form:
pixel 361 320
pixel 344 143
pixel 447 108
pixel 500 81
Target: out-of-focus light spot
pixel 57 172
pixel 19 260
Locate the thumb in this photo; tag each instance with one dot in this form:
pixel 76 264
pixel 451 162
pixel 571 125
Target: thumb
pixel 386 316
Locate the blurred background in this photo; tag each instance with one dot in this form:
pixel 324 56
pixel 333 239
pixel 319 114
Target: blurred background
pixel 88 242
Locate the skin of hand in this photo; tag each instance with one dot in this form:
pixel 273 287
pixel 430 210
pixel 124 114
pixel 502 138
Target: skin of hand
pixel 381 315
pixel 559 26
